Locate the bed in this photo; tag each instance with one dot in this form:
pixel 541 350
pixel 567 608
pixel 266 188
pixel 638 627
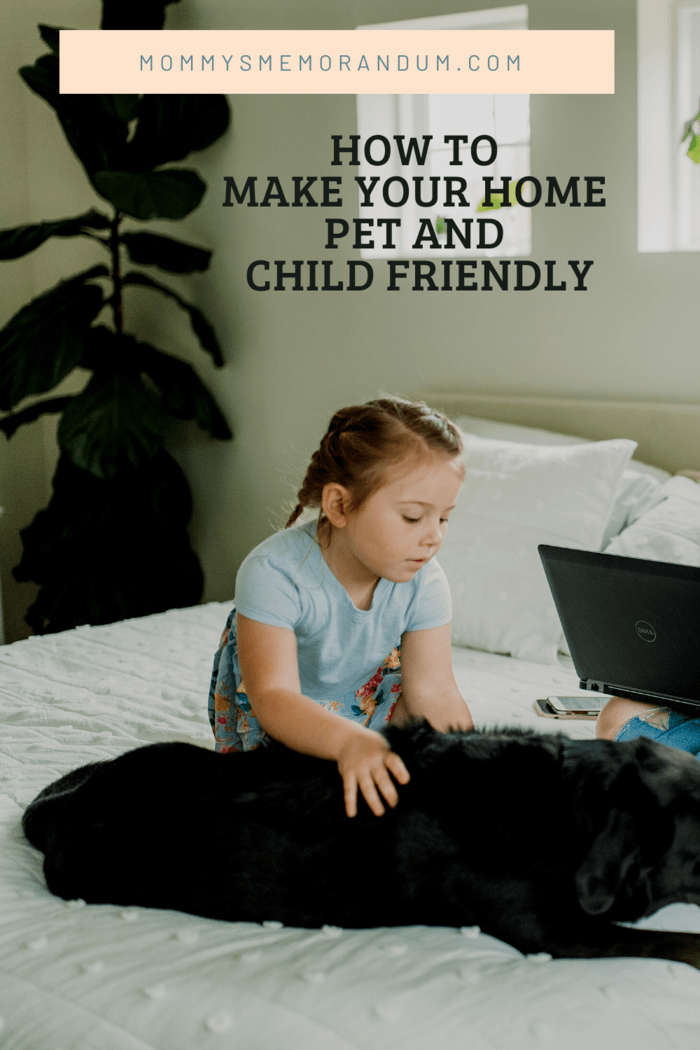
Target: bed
pixel 77 977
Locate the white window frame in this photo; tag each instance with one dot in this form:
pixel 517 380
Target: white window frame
pixel 408 115
pixel 666 177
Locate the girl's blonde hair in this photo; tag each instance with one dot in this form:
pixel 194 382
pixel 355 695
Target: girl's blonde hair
pixel 363 441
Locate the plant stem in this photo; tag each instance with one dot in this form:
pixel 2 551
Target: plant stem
pixel 117 303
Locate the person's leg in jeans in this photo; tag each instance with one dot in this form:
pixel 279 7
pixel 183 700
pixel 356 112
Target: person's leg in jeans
pixel 623 719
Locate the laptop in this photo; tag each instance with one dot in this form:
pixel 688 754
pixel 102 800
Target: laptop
pixel 632 626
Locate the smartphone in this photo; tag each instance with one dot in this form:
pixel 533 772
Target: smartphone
pixel 582 702
pixel 570 706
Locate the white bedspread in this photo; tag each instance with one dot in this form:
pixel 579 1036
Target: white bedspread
pixel 76 977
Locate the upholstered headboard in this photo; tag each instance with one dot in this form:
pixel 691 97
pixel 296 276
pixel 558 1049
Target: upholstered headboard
pixel 668 435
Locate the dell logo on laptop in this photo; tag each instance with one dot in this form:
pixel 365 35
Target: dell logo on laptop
pixel 645 631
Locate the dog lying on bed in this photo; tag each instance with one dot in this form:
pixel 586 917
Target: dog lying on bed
pixel 542 841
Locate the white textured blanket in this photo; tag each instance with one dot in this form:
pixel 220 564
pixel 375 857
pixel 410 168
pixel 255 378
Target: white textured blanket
pixel 76 977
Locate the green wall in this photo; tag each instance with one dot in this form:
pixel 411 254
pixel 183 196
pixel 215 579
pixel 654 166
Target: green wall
pixel 294 357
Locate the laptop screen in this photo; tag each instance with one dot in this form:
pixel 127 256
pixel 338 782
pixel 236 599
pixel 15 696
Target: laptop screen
pixel 629 623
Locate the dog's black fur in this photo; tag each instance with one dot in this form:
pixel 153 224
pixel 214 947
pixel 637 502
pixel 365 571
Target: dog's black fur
pixel 541 841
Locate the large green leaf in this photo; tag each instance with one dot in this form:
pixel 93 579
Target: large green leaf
pixel 172 126
pixel 200 326
pixel 152 249
pixel 169 194
pixel 10 423
pixel 45 341
pixel 112 425
pixel 42 78
pixel 96 134
pixel 106 550
pixel 24 239
pixel 184 394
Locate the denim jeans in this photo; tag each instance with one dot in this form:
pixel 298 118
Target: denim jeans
pixel 683 732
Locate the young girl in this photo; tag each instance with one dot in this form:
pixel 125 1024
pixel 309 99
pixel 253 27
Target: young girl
pixel 342 625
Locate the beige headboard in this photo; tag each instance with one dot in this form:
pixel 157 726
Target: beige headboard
pixel 668 435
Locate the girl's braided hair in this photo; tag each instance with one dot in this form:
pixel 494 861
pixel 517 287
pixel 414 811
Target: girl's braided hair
pixel 362 441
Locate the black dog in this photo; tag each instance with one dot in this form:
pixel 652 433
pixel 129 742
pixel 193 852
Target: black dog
pixel 542 841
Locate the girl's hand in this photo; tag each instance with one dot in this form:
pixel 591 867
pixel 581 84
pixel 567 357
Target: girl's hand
pixel 365 761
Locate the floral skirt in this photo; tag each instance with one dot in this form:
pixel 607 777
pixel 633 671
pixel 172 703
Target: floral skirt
pixel 233 720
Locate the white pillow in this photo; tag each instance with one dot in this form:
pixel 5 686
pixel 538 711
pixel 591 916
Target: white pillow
pixel 670 531
pixel 636 494
pixel 516 496
pixel 492 428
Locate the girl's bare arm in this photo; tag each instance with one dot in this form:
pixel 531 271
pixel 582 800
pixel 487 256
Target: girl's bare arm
pixel 428 681
pixel 270 678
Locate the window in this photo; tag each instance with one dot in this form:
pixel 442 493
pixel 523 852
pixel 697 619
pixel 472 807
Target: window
pixel 668 78
pixel 503 118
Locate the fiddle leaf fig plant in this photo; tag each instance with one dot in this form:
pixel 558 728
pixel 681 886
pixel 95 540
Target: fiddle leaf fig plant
pixel 113 541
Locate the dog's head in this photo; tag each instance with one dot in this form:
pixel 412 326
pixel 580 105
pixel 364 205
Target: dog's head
pixel 621 820
pixel 638 805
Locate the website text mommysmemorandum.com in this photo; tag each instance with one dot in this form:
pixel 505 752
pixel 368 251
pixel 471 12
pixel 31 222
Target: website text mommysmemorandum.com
pixel 327 63
pixel 337 61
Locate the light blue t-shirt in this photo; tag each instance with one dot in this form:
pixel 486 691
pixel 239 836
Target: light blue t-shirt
pixel 286 582
pixel 349 658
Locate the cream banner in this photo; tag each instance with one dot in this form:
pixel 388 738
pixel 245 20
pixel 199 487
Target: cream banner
pixel 276 62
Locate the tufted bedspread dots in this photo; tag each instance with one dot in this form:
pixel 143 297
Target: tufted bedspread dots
pixel 102 977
